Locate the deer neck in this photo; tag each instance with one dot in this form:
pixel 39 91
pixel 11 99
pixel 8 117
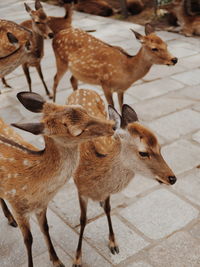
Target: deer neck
pixel 39 44
pixel 139 65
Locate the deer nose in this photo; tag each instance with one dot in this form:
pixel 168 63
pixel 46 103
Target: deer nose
pixel 172 179
pixel 51 35
pixel 174 60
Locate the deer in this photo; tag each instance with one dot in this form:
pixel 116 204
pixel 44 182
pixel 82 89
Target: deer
pixel 38 25
pixel 108 164
pixel 190 25
pixel 135 6
pixel 30 178
pixel 95 62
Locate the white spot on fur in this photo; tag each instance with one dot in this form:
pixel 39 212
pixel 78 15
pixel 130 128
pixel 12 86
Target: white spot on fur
pixel 11 192
pixel 26 162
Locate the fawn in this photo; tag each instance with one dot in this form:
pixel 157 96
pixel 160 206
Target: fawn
pixel 107 164
pixel 190 25
pixel 30 178
pixel 39 29
pixel 93 61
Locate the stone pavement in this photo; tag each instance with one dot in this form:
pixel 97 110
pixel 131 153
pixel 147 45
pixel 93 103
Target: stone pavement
pixel 155 225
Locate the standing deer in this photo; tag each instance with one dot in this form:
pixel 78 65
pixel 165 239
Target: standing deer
pixel 30 178
pixel 95 62
pixel 190 25
pixel 38 25
pixel 107 164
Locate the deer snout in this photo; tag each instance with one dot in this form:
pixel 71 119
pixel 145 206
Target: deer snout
pixel 172 180
pixel 51 35
pixel 174 60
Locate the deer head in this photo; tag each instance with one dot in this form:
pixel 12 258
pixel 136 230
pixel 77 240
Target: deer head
pixel 65 124
pixel 140 148
pixel 154 48
pixel 39 20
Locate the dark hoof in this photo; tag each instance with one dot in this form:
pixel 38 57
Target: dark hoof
pixel 101 203
pixel 76 265
pixel 13 224
pixel 50 96
pixel 114 250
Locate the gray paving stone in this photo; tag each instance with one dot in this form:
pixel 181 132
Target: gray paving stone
pixel 177 124
pixel 195 230
pixel 190 62
pixel 159 214
pixel 68 240
pixel 196 136
pixel 190 77
pixel 129 242
pixel 189 186
pixel 189 92
pixel 154 88
pixel 180 52
pixel 154 108
pixel 138 185
pixel 139 264
pixel 181 156
pixel 179 250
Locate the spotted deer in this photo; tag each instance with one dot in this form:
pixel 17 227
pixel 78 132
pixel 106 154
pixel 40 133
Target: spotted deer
pixel 108 164
pixel 95 62
pixel 38 26
pixel 30 178
pixel 190 25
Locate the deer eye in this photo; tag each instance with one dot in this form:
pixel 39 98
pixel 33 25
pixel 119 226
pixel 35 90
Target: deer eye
pixel 154 49
pixel 144 154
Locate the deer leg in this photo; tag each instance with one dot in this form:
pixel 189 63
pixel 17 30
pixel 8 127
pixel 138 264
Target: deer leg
pixel 24 226
pixel 27 74
pixel 108 95
pixel 7 213
pixel 112 243
pixel 5 83
pixel 120 99
pixel 83 221
pixel 42 220
pixel 39 70
pixel 61 69
pixel 74 83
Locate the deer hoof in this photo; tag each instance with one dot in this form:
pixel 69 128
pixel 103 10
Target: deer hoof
pixel 58 264
pixel 114 250
pixel 76 265
pixel 13 223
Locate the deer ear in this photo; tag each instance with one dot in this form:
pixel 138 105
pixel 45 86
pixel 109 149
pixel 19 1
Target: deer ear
pixel 31 101
pixel 138 36
pixel 149 29
pixel 38 5
pixel 114 115
pixel 12 39
pixel 34 128
pixel 128 115
pixel 75 130
pixel 27 7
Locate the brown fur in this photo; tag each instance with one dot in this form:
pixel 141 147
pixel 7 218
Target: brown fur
pixel 94 7
pixel 40 30
pixel 190 25
pixel 107 164
pixel 29 178
pixel 135 6
pixel 95 62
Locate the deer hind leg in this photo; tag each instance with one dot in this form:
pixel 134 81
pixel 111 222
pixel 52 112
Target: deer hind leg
pixel 7 213
pixel 24 226
pixel 83 220
pixel 27 74
pixel 39 70
pixel 42 220
pixel 112 242
pixel 120 99
pixel 5 83
pixel 108 95
pixel 74 83
pixel 62 67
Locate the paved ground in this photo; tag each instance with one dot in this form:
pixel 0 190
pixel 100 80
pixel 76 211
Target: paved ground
pixel 155 225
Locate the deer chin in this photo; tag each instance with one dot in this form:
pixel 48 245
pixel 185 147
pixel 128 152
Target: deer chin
pixel 161 180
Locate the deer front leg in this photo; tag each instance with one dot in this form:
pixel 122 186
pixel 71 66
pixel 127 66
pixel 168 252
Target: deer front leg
pixel 74 83
pixel 83 220
pixel 27 74
pixel 112 242
pixel 7 213
pixel 5 83
pixel 108 95
pixel 39 70
pixel 120 99
pixel 24 226
pixel 42 220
